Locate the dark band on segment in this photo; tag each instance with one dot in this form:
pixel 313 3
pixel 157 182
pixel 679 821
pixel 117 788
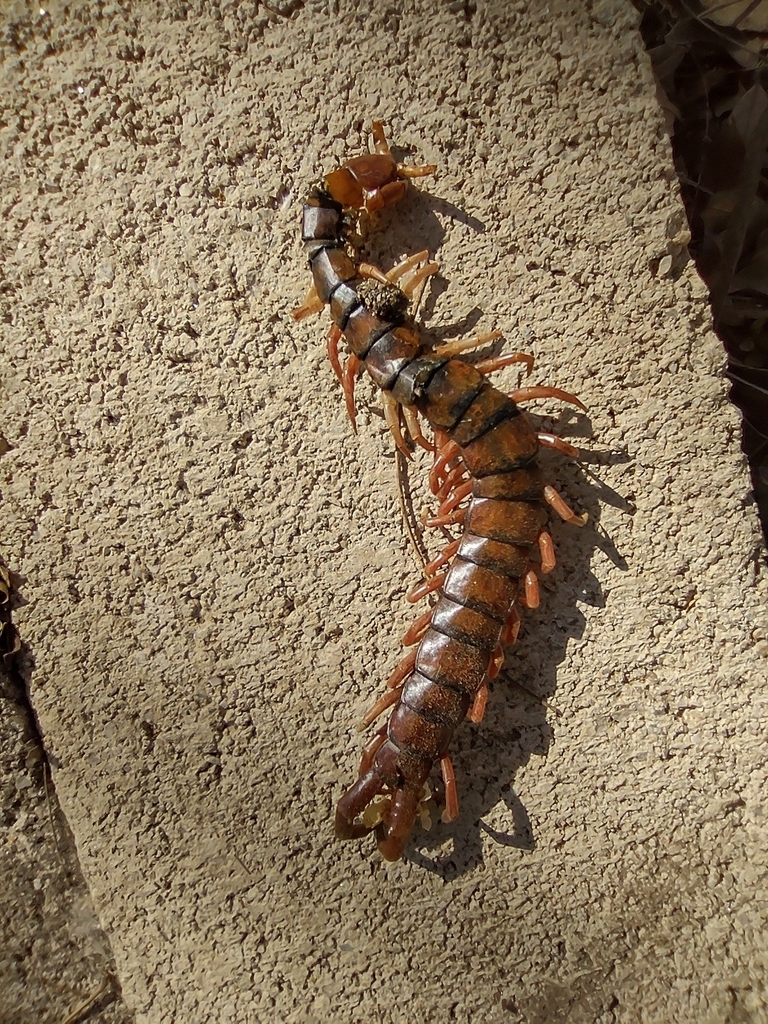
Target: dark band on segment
pixel 388 356
pixel 465 624
pixel 488 408
pixel 479 588
pixel 510 560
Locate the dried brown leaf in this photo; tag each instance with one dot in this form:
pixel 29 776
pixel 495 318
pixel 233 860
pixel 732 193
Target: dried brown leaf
pixel 747 115
pixel 6 585
pixel 753 277
pixel 751 118
pixel 748 15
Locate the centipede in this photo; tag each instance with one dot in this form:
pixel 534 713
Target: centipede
pixel 485 475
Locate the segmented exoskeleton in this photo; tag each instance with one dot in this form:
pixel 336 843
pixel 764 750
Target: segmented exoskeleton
pixel 485 453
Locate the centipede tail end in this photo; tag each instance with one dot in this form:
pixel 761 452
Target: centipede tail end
pixel 353 803
pixel 393 834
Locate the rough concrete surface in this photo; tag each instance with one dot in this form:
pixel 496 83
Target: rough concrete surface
pixel 214 566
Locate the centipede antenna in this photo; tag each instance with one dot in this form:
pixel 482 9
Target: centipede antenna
pixel 405 501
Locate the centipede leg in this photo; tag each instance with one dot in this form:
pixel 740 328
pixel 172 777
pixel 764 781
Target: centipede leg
pixel 499 362
pixel 380 144
pixel 369 270
pixel 385 701
pixel 563 509
pixel 451 810
pixel 417 629
pixel 529 394
pixel 403 669
pixel 445 555
pixel 312 304
pixel 453 348
pixel 406 274
pixel 445 454
pixel 547 552
pixel 427 587
pixel 512 628
pixel 477 712
pixel 351 369
pixel 370 749
pixel 496 662
pixel 457 495
pixel 529 596
pixel 442 438
pixel 392 417
pixel 334 337
pixel 415 170
pixel 454 518
pixel 401 268
pixel 411 281
pixel 558 444
pixel 414 428
pixel 454 479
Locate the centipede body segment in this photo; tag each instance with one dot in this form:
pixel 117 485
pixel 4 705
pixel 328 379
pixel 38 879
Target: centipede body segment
pixel 485 476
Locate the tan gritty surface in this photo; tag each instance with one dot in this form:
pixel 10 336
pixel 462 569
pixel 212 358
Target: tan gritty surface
pixel 215 567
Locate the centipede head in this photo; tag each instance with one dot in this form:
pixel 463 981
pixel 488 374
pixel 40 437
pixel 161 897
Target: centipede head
pixel 368 182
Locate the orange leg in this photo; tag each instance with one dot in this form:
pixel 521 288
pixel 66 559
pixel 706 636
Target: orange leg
pixel 552 441
pixel 445 555
pixel 404 669
pixel 425 588
pixel 499 362
pixel 456 498
pixel 312 304
pixel 385 701
pixel 334 337
pixel 415 170
pixel 418 629
pixel 560 506
pixel 380 145
pixel 446 453
pixel 451 811
pixel 351 368
pixel 411 281
pixel 528 394
pixel 477 712
pixel 452 519
pixel 497 660
pixel 414 428
pixel 392 417
pixel 407 272
pixel 453 348
pixel 547 552
pixel 404 266
pixel 451 480
pixel 530 594
pixel 369 270
pixel 512 628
